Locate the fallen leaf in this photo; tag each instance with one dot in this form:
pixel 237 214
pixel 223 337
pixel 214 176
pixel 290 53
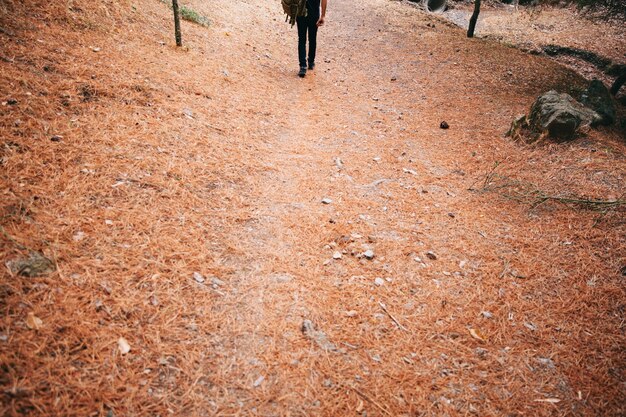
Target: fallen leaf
pixel 475 333
pixel 123 346
pixel 33 322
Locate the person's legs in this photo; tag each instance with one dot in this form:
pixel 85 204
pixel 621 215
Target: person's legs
pixel 302 23
pixel 312 41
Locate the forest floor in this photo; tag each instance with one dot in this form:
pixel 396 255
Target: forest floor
pixel 231 240
pixel 532 28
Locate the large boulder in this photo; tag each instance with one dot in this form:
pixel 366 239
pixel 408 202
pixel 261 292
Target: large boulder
pixel 560 116
pixel 598 99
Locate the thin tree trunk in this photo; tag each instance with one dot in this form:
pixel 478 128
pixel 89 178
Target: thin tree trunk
pixel 473 19
pixel 179 40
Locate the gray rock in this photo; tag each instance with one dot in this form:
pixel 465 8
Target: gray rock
pixel 326 201
pixel 36 264
pixel 198 277
pixel 379 282
pixel 598 99
pixel 560 116
pixel 369 254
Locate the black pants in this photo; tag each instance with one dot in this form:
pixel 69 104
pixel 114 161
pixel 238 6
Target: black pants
pixel 307 24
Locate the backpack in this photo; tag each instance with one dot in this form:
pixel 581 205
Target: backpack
pixel 293 9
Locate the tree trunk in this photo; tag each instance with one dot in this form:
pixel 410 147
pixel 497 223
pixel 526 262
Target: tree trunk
pixel 179 40
pixel 473 19
pixel 617 84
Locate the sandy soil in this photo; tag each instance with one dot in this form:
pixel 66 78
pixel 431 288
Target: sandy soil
pixel 215 158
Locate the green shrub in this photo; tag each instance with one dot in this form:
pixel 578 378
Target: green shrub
pixel 187 13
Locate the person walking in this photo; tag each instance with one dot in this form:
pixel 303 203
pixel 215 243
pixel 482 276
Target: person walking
pixel 309 24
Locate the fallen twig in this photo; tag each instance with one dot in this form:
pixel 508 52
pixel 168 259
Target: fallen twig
pixel 384 307
pixel 366 397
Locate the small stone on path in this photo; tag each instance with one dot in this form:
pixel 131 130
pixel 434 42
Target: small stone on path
pixel 369 254
pixel 259 381
pixel 379 282
pixel 198 277
pixel 326 201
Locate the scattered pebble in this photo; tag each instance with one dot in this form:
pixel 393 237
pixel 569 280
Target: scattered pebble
pixel 123 346
pixel 516 274
pixel 486 314
pixel 259 381
pixel 444 125
pixel 337 255
pixel 11 102
pixel 326 201
pixel 379 281
pixel 108 222
pixel 198 277
pixel 431 255
pixel 352 313
pixel 377 159
pixel 530 326
pixel 369 254
pixel 481 352
pixel 216 282
pixel 56 138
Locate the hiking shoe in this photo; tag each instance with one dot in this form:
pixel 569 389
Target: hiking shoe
pixel 312 65
pixel 302 72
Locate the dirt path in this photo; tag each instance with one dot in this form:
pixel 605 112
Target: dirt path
pixel 471 304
